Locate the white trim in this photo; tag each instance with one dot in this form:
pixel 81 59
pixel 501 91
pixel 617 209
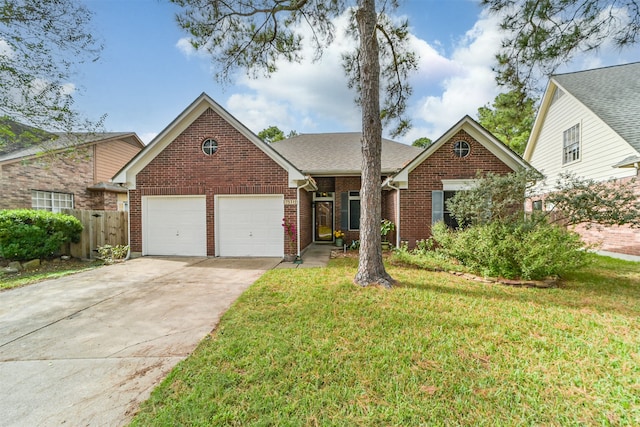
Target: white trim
pixel 457 184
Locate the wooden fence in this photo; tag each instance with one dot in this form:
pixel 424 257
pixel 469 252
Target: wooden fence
pixel 99 228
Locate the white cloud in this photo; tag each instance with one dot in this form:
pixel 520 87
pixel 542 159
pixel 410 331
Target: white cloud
pixel 147 137
pixel 470 84
pixel 6 50
pixel 184 45
pixel 303 95
pixel 258 112
pixel 313 96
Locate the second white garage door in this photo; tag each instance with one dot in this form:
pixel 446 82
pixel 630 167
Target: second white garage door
pixel 249 225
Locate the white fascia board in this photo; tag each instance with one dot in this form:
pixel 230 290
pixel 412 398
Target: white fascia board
pixel 539 121
pixel 457 184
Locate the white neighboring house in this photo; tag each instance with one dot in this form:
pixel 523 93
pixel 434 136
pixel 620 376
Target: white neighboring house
pixel 589 123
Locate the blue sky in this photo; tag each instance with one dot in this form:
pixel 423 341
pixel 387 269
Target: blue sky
pixel 147 73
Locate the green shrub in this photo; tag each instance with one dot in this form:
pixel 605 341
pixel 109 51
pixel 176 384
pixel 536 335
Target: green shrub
pixel 519 249
pixel 28 234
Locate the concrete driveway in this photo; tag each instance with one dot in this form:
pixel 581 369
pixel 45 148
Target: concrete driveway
pixel 88 348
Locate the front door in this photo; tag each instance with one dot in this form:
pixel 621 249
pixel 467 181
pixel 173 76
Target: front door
pixel 324 221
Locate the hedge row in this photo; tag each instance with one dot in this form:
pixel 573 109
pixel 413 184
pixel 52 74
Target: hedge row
pixel 29 234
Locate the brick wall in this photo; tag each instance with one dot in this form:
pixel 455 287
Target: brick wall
pixel 618 239
pixel 415 202
pixel 238 167
pixel 57 172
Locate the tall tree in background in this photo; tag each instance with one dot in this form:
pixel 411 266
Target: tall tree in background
pixel 274 134
pixel 253 35
pixel 543 34
pixel 271 134
pixel 510 118
pixel 41 44
pixel 422 142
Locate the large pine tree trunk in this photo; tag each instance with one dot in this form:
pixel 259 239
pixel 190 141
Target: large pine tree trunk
pixel 371 269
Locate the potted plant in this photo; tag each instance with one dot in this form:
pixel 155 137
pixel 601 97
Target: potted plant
pixel 339 235
pixel 385 228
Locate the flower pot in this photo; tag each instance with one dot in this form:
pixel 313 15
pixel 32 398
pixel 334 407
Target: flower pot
pixel 385 246
pixel 339 242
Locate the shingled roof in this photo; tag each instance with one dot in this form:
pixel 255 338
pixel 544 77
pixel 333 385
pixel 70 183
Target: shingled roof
pixel 612 93
pixel 340 153
pixel 53 141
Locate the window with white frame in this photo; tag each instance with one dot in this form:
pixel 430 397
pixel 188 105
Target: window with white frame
pixel 51 201
pixel 354 210
pixel 571 144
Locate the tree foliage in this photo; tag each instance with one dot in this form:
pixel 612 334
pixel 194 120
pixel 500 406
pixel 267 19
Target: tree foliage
pixel 274 134
pixel 510 118
pixel 271 134
pixel 41 44
pixel 501 198
pixel 590 202
pixel 423 142
pixel 255 34
pixel 493 197
pixel 543 34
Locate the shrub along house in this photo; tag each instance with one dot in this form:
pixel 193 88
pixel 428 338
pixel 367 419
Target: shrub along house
pixel 208 186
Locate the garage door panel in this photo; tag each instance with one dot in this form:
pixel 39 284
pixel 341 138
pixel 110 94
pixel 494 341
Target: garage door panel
pixel 175 226
pixel 249 225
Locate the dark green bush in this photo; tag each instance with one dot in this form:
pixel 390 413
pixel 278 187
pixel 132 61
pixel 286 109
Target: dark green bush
pixel 521 249
pixel 28 234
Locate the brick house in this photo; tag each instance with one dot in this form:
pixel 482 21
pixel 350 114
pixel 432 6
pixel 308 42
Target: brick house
pixel 587 124
pixel 208 186
pixel 67 171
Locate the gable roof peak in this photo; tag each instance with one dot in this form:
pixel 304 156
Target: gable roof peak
pixel 611 93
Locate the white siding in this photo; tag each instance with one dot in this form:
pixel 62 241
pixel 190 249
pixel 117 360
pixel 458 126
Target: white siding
pixel 600 146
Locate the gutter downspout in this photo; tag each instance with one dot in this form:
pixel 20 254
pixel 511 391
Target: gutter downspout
pixel 128 227
pixel 298 217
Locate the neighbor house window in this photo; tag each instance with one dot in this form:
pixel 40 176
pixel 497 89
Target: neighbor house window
pixel 537 205
pixel 51 201
pixel 571 144
pixel 354 210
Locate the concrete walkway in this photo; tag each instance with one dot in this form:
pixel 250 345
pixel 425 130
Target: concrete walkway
pixel 315 255
pixel 86 349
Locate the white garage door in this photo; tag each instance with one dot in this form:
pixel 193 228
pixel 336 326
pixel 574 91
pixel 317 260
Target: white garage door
pixel 174 226
pixel 249 225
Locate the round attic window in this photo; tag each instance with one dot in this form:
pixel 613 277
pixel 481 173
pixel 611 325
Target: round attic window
pixel 209 146
pixel 461 149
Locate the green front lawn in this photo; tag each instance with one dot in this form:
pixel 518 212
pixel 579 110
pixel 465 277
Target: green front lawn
pixel 306 347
